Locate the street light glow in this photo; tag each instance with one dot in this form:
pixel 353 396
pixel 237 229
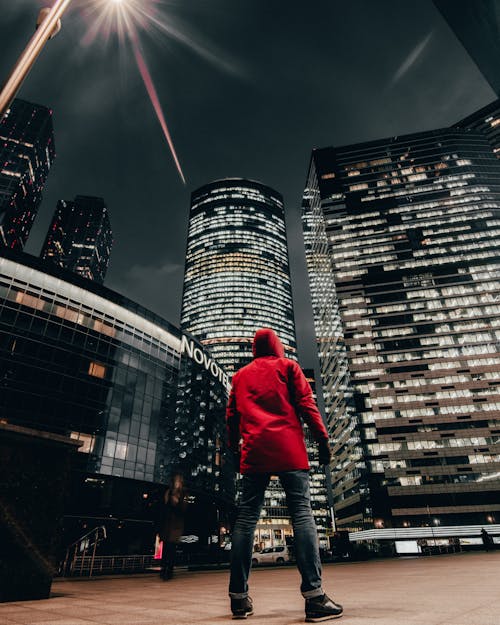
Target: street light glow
pixel 125 19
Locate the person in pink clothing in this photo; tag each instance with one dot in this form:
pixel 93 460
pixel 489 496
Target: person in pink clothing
pixel 268 399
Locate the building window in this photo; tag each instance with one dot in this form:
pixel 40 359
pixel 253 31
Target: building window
pixel 97 370
pixel 86 439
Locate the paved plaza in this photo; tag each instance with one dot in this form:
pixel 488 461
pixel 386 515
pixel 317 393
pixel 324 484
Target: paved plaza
pixel 462 589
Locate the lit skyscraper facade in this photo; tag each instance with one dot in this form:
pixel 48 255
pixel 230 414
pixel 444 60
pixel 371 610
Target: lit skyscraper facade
pixel 80 237
pixel 319 491
pixel 237 279
pixel 402 247
pixel 26 155
pixel 486 121
pixel 237 276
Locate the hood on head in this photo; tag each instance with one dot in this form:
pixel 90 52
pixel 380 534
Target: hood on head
pixel 267 343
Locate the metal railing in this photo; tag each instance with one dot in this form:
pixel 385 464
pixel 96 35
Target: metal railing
pixel 88 565
pixel 76 561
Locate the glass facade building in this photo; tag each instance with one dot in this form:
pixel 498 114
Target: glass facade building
pixel 402 248
pixel 487 122
pixel 26 156
pixel 319 487
pixel 237 276
pixel 143 398
pixel 80 237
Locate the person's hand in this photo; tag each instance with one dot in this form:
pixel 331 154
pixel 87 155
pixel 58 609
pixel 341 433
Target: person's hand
pixel 325 452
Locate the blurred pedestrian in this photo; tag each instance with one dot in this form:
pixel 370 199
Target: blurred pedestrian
pixel 171 523
pixel 487 539
pixel 268 398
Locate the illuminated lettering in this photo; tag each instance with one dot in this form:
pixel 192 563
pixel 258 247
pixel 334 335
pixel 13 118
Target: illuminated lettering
pixel 202 358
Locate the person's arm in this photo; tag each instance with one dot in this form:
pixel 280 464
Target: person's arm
pixel 306 406
pixel 233 421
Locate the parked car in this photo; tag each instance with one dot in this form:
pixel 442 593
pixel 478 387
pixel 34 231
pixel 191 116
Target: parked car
pixel 271 555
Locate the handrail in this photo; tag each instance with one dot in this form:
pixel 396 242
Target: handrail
pixel 69 564
pixel 99 527
pixel 86 565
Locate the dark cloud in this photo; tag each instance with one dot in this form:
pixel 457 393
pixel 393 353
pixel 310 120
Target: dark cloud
pixel 158 283
pixel 266 81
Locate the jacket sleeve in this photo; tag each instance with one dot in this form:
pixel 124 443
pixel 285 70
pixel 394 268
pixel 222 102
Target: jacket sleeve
pixel 232 421
pixel 304 403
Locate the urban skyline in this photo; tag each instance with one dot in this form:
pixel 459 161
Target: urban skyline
pixel 391 263
pixel 402 68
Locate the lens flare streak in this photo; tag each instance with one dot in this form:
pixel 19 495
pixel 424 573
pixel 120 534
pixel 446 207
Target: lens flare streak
pixel 125 18
pixel 153 96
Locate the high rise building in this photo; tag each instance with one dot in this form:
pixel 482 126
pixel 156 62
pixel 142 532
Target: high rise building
pixel 402 247
pixel 477 26
pixel 237 279
pixel 26 155
pixel 80 238
pixel 237 276
pixel 486 121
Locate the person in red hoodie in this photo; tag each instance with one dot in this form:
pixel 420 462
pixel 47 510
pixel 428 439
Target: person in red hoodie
pixel 268 399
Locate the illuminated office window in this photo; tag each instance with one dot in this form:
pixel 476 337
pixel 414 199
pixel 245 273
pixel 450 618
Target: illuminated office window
pixel 97 370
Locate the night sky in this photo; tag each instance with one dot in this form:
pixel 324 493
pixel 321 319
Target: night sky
pixel 266 81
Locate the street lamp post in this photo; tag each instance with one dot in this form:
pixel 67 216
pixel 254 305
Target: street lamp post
pixel 47 27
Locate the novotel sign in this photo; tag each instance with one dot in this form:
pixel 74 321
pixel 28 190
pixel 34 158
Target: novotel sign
pixel 189 347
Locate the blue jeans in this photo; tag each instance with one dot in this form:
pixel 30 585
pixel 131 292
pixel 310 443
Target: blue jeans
pixel 296 487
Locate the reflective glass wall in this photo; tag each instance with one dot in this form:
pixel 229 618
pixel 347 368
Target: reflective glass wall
pixel 27 152
pixel 402 240
pixel 80 360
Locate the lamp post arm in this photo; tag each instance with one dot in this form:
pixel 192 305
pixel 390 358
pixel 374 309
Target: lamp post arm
pixel 30 54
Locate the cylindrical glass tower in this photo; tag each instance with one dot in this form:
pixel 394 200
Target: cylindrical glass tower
pixel 237 275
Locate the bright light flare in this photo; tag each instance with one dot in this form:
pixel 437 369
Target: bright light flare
pixel 126 18
pixel 121 17
pixel 153 96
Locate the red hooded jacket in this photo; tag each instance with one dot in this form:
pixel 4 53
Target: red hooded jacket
pixel 267 399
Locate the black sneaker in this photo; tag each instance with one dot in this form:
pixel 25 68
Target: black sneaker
pixel 241 608
pixel 322 608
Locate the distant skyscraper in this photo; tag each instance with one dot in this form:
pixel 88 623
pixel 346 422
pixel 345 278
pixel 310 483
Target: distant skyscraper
pixel 486 121
pixel 403 250
pixel 477 26
pixel 237 279
pixel 26 155
pixel 237 276
pixel 80 238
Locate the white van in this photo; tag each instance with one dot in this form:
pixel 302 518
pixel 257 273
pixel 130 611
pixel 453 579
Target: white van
pixel 271 555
